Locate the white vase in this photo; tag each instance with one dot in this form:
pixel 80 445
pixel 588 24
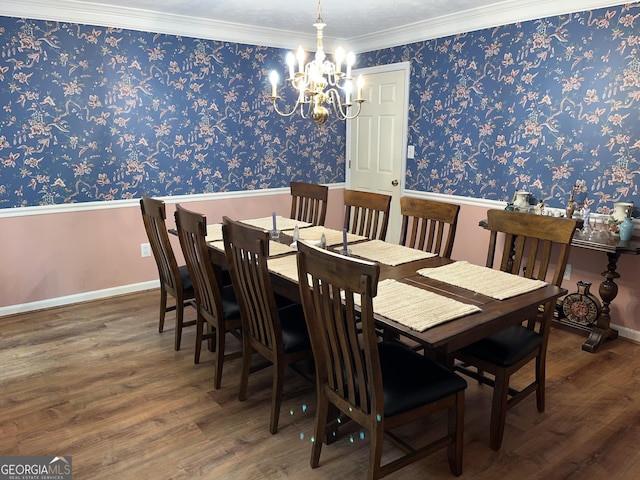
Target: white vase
pixel 522 200
pixel 622 210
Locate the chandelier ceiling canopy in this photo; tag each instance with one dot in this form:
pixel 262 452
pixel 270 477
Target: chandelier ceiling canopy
pixel 320 82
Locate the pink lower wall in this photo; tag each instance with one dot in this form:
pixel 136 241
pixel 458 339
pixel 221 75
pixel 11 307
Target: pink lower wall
pixel 64 254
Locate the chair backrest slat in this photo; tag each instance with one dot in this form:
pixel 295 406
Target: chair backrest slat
pixel 309 202
pixel 530 243
pixel 247 249
pixel 367 213
pixel 154 218
pixel 346 356
pixel 428 225
pixel 192 232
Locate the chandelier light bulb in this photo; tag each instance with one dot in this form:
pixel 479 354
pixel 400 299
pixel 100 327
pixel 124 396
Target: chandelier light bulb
pixel 348 88
pixel 300 55
pixel 291 62
pixel 339 56
pixel 274 78
pixel 351 60
pixel 360 84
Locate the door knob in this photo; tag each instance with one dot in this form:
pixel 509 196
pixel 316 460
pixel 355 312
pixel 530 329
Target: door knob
pixel 394 183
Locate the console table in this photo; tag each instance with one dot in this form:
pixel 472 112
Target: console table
pixel 601 330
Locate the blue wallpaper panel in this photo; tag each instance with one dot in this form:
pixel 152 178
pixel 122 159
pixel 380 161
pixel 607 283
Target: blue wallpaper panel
pixel 92 113
pixel 544 105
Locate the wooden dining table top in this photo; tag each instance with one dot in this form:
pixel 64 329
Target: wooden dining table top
pixel 494 315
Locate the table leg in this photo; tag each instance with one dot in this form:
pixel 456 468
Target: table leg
pixel 608 291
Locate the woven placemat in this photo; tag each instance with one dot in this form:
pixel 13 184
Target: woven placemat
pixel 287 266
pixel 415 307
pixel 333 237
pixel 486 281
pixel 282 223
pixel 214 232
pixel 277 248
pixel 388 253
pixel 218 245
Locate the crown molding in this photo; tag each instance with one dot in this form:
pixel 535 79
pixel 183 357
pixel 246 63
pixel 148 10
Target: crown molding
pixel 508 11
pixel 503 13
pixel 147 21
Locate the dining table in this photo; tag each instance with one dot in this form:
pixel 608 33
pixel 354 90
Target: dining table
pixel 441 304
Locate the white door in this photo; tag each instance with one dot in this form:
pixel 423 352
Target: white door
pixel 377 138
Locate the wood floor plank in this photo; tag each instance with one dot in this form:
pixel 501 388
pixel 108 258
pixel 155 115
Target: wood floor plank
pixel 98 382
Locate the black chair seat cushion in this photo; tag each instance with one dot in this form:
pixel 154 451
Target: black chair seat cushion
pixel 295 335
pixel 505 348
pixel 187 286
pixel 230 305
pixel 410 380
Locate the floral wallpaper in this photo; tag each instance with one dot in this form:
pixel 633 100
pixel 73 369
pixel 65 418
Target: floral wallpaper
pixel 92 114
pixel 544 106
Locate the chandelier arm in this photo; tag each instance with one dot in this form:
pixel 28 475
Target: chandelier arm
pixel 350 117
pixel 342 109
pixel 284 114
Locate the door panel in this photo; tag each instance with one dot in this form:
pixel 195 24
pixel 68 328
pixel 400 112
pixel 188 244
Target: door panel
pixel 377 138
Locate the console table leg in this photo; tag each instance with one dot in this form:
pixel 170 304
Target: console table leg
pixel 608 291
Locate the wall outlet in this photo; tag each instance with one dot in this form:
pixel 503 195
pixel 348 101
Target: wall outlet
pixel 567 272
pixel 145 249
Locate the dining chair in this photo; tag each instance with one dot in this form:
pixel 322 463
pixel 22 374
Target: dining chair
pixel 174 279
pixel 428 225
pixel 379 385
pixel 367 213
pixel 217 308
pixel 537 247
pixel 279 335
pixel 309 202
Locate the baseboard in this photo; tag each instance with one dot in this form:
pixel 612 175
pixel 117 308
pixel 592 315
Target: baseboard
pixel 629 334
pixel 77 298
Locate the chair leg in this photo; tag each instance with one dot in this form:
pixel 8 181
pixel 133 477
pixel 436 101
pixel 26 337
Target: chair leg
pixel 375 450
pixel 540 378
pixel 163 309
pixel 456 429
pixel 499 410
pixel 247 351
pixel 219 358
pixel 276 395
pixel 199 326
pixel 179 322
pixel 322 418
pixel 211 337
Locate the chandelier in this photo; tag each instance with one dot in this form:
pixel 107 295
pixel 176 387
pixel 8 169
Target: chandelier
pixel 318 83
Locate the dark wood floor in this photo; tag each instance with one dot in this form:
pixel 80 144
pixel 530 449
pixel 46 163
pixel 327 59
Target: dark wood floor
pixel 98 382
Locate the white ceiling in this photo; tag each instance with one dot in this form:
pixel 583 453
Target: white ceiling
pixel 362 24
